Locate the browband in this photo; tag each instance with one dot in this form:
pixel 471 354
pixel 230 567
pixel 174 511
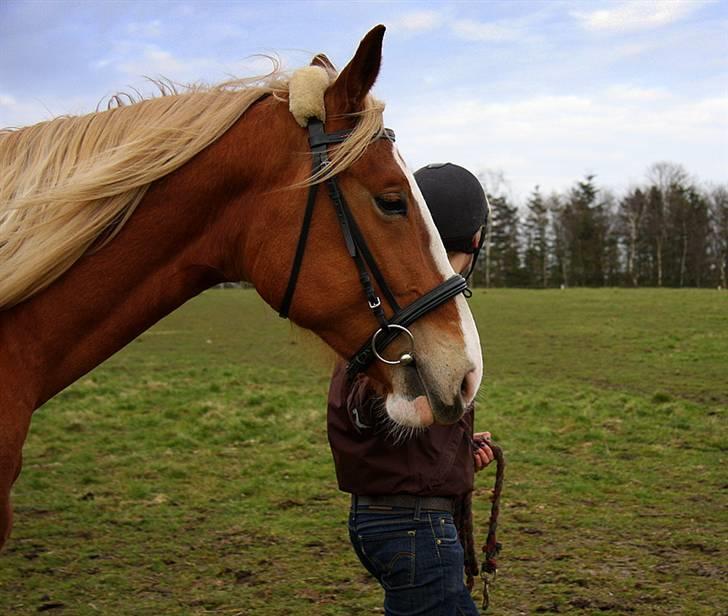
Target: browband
pixel 318 137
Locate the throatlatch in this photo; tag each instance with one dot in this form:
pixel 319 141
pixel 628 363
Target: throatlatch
pixel 389 329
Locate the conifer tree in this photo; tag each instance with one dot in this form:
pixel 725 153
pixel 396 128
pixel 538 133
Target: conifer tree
pixel 504 268
pixel 536 229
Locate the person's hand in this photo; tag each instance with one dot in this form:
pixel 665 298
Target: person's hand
pixel 482 454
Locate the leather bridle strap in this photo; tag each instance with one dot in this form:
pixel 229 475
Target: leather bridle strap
pixel 365 263
pixel 362 255
pixel 452 287
pixel 319 141
pixel 301 247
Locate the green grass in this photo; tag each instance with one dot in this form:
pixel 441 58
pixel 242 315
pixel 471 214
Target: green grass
pixel 190 474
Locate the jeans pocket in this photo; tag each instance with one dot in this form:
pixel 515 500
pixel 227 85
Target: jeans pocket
pixel 446 531
pixel 392 555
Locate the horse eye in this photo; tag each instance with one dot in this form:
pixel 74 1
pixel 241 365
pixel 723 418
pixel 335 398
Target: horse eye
pixel 393 204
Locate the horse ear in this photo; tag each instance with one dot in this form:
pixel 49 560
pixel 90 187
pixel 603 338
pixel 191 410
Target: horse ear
pixel 323 61
pixel 351 87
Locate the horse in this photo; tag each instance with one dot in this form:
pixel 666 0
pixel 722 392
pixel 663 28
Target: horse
pixel 109 221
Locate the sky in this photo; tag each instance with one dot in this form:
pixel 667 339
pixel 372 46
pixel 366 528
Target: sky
pixel 539 93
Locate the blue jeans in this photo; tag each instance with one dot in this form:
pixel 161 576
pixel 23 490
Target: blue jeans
pixel 416 557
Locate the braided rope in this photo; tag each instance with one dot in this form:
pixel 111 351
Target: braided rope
pixel 463 516
pixel 491 548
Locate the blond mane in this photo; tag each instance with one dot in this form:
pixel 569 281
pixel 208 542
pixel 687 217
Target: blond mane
pixel 70 184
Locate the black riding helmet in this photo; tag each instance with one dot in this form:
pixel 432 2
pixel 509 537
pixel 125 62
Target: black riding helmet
pixel 458 206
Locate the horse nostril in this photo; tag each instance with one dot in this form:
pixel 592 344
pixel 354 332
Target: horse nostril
pixel 467 387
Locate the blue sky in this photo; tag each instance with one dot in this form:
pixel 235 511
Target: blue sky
pixel 543 92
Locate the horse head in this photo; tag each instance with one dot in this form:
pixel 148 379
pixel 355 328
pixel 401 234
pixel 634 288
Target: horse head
pixel 390 214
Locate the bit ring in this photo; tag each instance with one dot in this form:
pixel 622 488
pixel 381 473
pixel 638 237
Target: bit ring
pixel 405 358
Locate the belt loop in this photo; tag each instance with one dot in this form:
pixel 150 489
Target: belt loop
pixel 418 508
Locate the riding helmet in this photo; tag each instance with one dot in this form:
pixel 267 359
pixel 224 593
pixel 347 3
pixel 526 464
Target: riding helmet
pixel 457 203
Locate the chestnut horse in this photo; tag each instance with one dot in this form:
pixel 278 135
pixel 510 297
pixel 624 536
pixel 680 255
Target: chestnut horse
pixel 110 221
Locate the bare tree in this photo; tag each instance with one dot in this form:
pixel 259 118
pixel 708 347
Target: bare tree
pixel 632 209
pixel 717 198
pixel 664 176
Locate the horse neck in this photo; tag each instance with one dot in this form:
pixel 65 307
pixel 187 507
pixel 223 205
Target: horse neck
pixel 174 246
pixel 102 303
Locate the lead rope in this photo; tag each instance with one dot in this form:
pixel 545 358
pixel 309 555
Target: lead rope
pixel 491 548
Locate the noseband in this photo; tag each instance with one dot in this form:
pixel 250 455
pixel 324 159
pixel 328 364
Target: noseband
pixel 402 318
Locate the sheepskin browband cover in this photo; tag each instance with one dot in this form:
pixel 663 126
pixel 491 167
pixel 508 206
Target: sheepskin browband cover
pixel 306 90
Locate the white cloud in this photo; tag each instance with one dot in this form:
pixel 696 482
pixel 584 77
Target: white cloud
pixel 553 140
pixel 629 50
pixel 26 110
pixel 21 110
pixel 637 14
pixel 153 61
pixel 149 29
pixel 417 21
pixel 473 30
pixel 626 92
pixel 130 61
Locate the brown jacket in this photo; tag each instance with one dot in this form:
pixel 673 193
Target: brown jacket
pixel 370 460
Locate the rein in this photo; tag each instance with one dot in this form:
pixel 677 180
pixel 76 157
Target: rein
pixel 389 329
pixel 492 547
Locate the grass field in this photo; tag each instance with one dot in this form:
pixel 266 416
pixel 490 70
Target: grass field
pixel 190 474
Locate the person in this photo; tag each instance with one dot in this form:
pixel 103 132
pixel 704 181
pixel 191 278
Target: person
pixel 411 496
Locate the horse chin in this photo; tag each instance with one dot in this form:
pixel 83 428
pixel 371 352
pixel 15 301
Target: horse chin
pixel 424 411
pixel 409 413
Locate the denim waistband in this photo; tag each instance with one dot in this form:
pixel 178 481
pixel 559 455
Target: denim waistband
pixel 385 503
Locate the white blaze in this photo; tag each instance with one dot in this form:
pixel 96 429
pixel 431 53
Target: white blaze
pixel 395 404
pixel 437 248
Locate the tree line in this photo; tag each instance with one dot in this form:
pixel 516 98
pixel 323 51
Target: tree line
pixel 667 232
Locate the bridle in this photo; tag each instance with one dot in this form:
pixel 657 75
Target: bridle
pixel 402 318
